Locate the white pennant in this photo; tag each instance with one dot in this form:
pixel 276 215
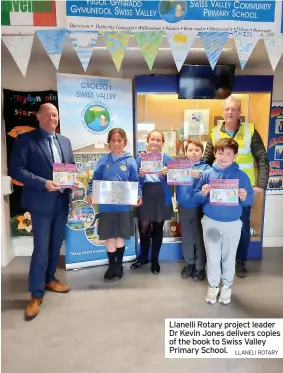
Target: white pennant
pixel 84 43
pixel 20 49
pixel 274 48
pixel 180 45
pixel 245 46
pixel 53 42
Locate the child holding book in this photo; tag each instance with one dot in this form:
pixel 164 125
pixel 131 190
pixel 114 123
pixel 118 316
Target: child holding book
pixel 115 221
pixel 156 207
pixel 221 223
pixel 191 214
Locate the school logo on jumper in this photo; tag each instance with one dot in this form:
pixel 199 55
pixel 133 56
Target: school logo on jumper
pixel 28 13
pixel 123 167
pixel 97 118
pixel 172 11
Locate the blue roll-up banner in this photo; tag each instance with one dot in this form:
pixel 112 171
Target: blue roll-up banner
pixel 174 15
pixel 275 149
pixel 89 107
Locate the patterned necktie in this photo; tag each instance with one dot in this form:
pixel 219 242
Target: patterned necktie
pixel 55 154
pixel 54 151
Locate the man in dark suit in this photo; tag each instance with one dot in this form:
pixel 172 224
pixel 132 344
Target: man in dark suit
pixel 31 164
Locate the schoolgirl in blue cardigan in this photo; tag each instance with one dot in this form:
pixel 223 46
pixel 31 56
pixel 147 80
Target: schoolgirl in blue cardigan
pixel 156 206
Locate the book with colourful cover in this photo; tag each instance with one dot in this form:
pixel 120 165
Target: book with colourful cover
pixel 224 192
pixel 179 172
pixel 151 162
pixel 64 174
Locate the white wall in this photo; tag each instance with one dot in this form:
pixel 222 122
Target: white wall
pixel 7 249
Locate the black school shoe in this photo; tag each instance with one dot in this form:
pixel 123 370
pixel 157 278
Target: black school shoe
pixel 109 274
pixel 137 263
pixel 155 268
pixel 241 270
pixel 118 272
pixel 198 276
pixel 187 271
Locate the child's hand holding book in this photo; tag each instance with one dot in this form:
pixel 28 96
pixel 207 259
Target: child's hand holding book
pixel 205 190
pixel 242 194
pixel 195 174
pixel 142 172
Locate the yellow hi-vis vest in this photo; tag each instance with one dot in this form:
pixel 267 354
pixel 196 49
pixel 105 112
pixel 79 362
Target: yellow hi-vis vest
pixel 243 137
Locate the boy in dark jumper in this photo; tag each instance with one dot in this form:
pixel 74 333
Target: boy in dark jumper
pixel 191 214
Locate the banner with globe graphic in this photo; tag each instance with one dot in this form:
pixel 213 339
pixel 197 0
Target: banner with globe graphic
pixel 89 107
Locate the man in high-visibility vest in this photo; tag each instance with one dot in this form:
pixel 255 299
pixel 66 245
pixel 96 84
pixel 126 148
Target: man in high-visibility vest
pixel 251 151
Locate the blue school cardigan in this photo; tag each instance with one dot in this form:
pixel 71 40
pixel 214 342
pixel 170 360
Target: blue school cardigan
pixel 163 179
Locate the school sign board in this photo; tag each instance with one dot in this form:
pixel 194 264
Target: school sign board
pixel 176 16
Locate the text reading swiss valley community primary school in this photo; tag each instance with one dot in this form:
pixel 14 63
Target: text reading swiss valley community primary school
pixel 211 8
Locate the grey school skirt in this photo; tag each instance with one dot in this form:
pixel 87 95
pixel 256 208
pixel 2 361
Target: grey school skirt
pixel 153 207
pixel 115 225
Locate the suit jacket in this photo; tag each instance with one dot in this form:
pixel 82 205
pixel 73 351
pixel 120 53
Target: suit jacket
pixel 31 164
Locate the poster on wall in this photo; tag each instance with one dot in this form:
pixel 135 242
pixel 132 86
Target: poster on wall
pixel 275 150
pixel 28 13
pixel 170 145
pixel 19 117
pixel 196 122
pixel 185 16
pixel 89 107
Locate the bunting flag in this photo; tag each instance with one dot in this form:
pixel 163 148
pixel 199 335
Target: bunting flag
pixel 213 43
pixel 274 48
pixel 149 42
pixel 20 49
pixel 116 43
pixel 83 43
pixel 245 46
pixel 180 45
pixel 53 42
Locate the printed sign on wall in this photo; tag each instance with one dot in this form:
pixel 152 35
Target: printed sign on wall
pixel 89 107
pixel 172 15
pixel 275 150
pixel 28 13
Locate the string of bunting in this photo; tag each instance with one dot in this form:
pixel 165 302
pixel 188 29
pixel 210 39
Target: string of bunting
pixel 84 43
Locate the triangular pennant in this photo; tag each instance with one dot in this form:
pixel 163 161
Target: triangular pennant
pixel 245 46
pixel 180 44
pixel 20 49
pixel 274 48
pixel 83 43
pixel 53 42
pixel 149 42
pixel 213 43
pixel 116 42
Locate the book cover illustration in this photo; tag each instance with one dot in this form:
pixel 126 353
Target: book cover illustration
pixel 114 192
pixel 64 174
pixel 224 192
pixel 151 162
pixel 179 172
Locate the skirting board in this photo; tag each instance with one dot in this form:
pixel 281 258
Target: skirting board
pixel 23 245
pixel 272 241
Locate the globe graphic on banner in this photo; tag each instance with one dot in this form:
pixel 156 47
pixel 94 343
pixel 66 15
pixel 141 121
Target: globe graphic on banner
pixel 172 11
pixel 97 118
